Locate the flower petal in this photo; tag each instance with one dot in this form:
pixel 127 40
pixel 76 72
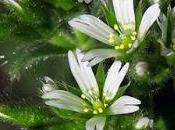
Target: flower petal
pixel 124 10
pixel 93 27
pixel 82 73
pixel 124 105
pixel 97 55
pixel 149 17
pixel 13 3
pixel 64 100
pixel 96 123
pixel 114 79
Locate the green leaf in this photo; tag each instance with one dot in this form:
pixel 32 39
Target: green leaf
pixel 70 115
pixel 64 4
pixel 109 16
pixel 63 40
pixel 138 15
pixel 100 75
pixel 67 125
pixel 26 115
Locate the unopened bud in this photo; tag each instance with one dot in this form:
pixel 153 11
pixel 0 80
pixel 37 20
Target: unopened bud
pixel 141 68
pixel 143 123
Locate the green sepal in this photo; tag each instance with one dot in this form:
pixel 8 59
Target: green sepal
pixel 100 76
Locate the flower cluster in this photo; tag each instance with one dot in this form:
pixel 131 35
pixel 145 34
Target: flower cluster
pixel 123 37
pixel 92 101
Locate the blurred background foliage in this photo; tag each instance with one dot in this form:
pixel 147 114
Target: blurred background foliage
pixel 34 40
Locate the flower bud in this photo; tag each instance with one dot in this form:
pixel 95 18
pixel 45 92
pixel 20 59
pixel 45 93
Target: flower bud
pixel 141 68
pixel 144 122
pixel 48 85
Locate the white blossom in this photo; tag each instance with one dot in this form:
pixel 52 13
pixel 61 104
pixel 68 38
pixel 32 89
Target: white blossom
pixel 123 37
pixel 99 106
pixel 143 123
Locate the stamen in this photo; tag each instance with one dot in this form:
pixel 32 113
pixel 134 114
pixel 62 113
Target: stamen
pixel 83 96
pixel 107 98
pixel 105 105
pixel 117 47
pixel 95 112
pixel 129 45
pixel 116 27
pixel 122 46
pixel 86 110
pixel 100 110
pixel 133 38
pixel 134 33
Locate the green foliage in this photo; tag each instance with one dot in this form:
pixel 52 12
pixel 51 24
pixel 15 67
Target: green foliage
pixel 26 115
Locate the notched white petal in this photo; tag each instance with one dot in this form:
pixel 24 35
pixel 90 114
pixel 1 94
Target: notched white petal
pixel 124 105
pixel 124 10
pixel 92 27
pixel 96 123
pixel 149 17
pixel 82 73
pixel 114 78
pixel 64 100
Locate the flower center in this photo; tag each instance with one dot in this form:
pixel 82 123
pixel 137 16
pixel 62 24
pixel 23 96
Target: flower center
pixel 125 39
pixel 96 105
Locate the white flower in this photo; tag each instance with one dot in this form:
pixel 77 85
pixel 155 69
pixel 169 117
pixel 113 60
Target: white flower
pixel 143 123
pixel 92 101
pixel 13 3
pixel 123 38
pixel 86 1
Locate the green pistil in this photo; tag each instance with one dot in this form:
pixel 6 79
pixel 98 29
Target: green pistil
pixel 125 41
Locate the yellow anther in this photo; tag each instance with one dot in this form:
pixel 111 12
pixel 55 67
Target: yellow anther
pixel 117 47
pixel 134 33
pixel 95 112
pixel 100 110
pixel 122 46
pixel 107 98
pixel 116 27
pixel 86 110
pixel 129 45
pixel 105 105
pixel 133 38
pixel 83 96
pixel 104 94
